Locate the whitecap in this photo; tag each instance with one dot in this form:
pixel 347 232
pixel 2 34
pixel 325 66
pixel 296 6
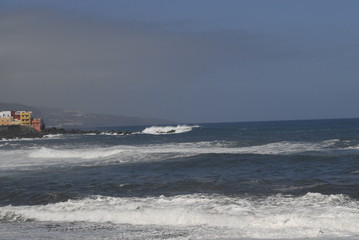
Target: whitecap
pixel 308 216
pixel 74 153
pixel 159 130
pixel 99 155
pixel 53 136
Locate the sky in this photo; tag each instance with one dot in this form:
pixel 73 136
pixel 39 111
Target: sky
pixel 190 61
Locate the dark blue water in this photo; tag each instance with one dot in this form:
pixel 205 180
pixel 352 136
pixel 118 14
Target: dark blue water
pixel 254 161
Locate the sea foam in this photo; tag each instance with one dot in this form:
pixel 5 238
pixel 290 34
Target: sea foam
pixel 160 130
pixel 45 156
pixel 312 215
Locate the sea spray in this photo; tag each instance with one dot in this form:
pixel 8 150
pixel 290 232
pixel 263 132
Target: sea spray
pixel 159 130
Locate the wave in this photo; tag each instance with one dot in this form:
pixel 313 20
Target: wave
pixel 105 134
pixel 53 136
pixel 160 130
pixel 191 148
pixel 36 156
pixel 285 147
pixel 311 215
pixel 74 153
pixel 18 139
pixel 45 137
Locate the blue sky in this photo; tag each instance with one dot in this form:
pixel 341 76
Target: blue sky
pixel 190 61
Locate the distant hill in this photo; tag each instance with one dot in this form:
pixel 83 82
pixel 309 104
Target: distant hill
pixel 64 118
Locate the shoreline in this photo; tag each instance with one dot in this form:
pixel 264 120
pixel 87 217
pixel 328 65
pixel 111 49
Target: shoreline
pixel 24 131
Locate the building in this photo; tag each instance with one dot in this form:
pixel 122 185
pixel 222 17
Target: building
pixel 15 121
pixel 20 118
pixel 38 124
pixel 5 114
pixel 15 114
pixel 25 118
pixel 5 118
pixel 5 121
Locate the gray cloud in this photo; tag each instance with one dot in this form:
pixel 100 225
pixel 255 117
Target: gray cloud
pixel 51 58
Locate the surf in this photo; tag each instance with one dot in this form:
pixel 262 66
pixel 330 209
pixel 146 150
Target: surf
pixel 279 216
pixel 161 130
pixel 35 156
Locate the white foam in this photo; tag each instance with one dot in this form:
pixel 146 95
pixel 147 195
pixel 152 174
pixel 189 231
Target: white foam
pixel 288 147
pixel 356 147
pixel 313 215
pixel 191 148
pixel 159 130
pixel 42 156
pixel 112 134
pixel 19 139
pixel 45 137
pixel 74 153
pixel 53 136
pixel 105 134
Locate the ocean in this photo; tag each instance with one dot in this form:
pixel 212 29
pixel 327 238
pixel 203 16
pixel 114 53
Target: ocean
pixel 252 180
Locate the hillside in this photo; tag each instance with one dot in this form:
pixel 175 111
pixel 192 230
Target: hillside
pixel 64 118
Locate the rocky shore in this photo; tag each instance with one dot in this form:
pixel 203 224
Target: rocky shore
pixel 54 130
pixel 23 131
pixel 18 131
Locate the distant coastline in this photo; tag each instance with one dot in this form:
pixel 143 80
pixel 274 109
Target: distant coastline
pixel 68 119
pixel 23 131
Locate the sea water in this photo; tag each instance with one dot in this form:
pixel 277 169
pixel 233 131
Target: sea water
pixel 255 180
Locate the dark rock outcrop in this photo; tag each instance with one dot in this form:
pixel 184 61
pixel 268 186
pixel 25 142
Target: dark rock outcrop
pixel 24 131
pixel 54 130
pixel 18 131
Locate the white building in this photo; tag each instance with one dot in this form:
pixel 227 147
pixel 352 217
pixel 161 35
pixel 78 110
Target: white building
pixel 5 114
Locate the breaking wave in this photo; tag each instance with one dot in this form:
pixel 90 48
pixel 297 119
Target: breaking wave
pixel 74 153
pixel 159 130
pixel 192 148
pixel 311 215
pixel 152 152
pixel 44 138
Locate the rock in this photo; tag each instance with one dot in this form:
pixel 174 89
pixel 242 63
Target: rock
pixel 18 131
pixel 24 131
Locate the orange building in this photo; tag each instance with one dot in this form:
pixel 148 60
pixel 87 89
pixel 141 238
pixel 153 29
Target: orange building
pixel 5 121
pixel 37 124
pixel 20 118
